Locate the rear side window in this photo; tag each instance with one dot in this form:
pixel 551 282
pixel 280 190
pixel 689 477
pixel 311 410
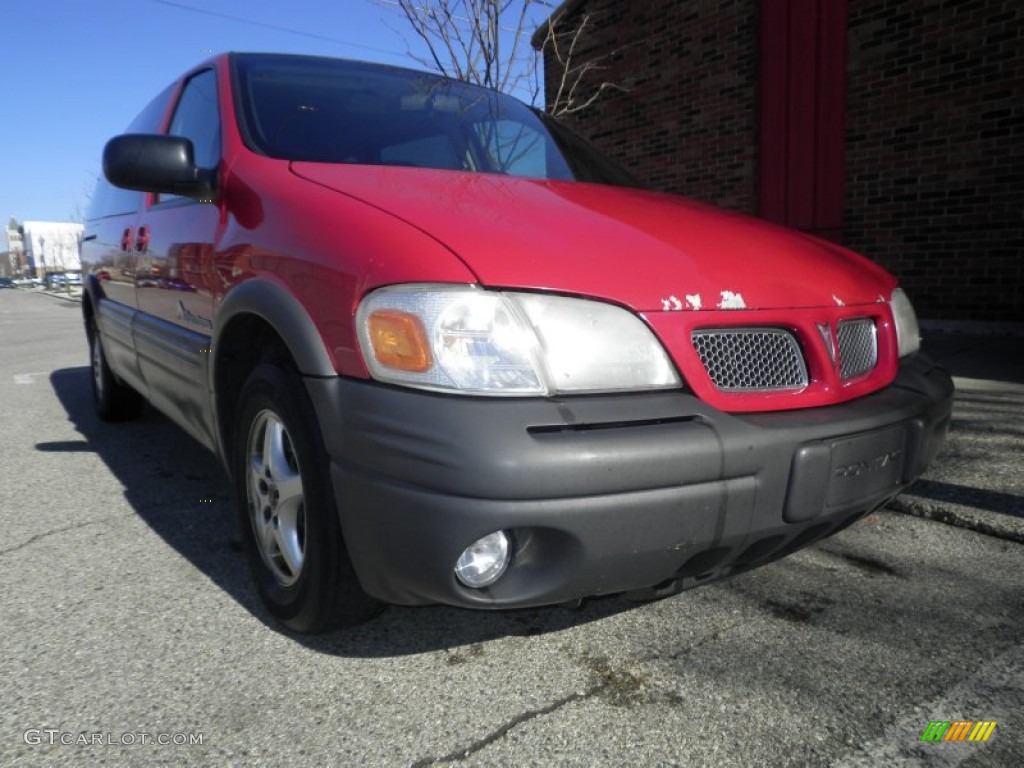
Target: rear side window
pixel 108 200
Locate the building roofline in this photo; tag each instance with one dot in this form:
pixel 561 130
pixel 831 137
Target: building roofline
pixel 567 8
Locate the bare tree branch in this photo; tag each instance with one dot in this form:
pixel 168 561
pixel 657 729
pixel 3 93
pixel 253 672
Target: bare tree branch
pixel 519 30
pixel 573 72
pixel 480 41
pixel 483 42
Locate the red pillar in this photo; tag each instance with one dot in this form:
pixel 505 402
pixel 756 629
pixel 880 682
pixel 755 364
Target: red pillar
pixel 803 103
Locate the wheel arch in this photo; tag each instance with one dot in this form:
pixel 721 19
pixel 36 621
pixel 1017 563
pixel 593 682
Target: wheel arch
pixel 90 300
pixel 259 321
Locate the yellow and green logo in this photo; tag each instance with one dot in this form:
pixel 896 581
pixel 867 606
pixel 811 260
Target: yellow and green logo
pixel 958 730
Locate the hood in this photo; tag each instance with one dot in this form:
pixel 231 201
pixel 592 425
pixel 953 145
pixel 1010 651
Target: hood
pixel 646 250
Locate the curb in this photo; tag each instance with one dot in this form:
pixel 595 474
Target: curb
pixel 63 296
pixel 963 517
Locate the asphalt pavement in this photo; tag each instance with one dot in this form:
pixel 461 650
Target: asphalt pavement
pixel 977 481
pixel 132 634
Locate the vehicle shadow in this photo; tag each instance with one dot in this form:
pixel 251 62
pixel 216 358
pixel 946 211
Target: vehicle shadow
pixel 978 498
pixel 183 494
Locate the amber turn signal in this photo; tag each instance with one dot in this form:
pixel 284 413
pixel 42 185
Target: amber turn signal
pixel 399 341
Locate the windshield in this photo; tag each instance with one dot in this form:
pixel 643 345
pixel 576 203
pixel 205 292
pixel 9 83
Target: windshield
pixel 336 111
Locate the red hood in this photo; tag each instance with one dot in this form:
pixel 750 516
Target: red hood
pixel 647 250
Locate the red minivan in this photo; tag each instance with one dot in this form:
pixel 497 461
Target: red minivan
pixel 449 353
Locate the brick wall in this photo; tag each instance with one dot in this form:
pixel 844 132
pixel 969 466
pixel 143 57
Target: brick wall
pixel 688 121
pixel 934 179
pixel 935 151
pixel 934 160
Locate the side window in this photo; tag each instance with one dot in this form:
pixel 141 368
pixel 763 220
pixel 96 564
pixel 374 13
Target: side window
pixel 197 117
pixel 108 200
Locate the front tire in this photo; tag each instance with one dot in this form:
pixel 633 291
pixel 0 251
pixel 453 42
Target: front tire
pixel 287 510
pixel 113 399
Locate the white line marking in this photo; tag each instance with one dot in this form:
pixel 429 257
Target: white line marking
pixel 29 378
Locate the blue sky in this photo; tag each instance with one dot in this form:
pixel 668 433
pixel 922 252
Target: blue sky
pixel 74 73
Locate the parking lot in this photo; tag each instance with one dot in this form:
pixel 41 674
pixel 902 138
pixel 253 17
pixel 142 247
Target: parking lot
pixel 129 621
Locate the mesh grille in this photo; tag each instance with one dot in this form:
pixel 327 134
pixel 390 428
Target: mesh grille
pixel 858 347
pixel 746 359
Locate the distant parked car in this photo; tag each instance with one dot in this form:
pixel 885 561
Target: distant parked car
pixel 451 354
pixel 6 282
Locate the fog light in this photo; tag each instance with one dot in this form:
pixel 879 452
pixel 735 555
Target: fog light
pixel 484 561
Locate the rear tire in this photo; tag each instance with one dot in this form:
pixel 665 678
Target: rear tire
pixel 288 515
pixel 113 399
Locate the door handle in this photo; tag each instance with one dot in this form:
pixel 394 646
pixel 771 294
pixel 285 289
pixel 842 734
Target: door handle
pixel 126 239
pixel 142 239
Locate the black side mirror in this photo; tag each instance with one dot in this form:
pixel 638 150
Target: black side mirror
pixel 161 164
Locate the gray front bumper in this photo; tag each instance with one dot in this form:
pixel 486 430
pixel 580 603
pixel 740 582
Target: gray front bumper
pixel 607 493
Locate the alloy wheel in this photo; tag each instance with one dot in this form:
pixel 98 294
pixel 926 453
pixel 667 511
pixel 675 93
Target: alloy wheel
pixel 275 498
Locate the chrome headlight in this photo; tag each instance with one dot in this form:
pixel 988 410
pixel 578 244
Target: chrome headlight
pixel 465 339
pixel 908 334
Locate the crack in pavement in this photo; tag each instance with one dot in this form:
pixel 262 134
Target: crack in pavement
pixel 717 634
pixel 594 690
pixel 500 732
pixel 46 534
